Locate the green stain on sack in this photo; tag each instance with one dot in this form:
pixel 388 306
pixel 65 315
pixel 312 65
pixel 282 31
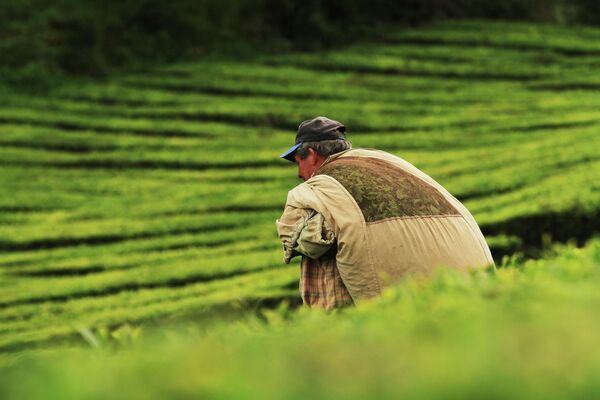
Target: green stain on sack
pixel 383 190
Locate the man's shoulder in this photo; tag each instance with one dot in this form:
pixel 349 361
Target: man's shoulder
pixel 369 153
pixel 302 195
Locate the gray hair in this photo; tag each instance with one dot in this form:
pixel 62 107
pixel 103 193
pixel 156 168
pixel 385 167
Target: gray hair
pixel 324 148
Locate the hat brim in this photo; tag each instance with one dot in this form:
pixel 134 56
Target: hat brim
pixel 289 155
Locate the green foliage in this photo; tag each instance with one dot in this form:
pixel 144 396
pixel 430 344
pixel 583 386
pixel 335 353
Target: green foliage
pixel 151 198
pixel 520 333
pixel 41 40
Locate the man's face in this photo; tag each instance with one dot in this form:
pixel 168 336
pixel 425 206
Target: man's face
pixel 303 167
pixel 308 166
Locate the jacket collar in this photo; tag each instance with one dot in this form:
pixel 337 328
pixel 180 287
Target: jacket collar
pixel 334 157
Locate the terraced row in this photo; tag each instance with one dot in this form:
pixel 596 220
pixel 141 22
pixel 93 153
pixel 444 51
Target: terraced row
pixel 154 195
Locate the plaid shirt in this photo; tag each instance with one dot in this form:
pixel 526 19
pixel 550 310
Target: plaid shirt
pixel 321 285
pixel 304 232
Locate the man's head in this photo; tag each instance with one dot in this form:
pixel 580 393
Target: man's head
pixel 316 139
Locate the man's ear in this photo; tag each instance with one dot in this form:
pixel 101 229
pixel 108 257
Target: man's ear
pixel 313 154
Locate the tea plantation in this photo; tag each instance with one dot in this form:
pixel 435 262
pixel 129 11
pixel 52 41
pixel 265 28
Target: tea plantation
pixel 149 200
pixel 523 332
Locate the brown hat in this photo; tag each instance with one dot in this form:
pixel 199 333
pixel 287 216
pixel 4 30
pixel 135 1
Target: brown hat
pixel 316 130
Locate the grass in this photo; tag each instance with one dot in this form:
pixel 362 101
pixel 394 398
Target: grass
pixel 524 331
pixel 152 197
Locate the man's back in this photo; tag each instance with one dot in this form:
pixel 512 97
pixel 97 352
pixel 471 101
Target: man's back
pixel 389 220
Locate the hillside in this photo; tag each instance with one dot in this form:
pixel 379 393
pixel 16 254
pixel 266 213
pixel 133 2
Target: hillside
pixel 152 197
pixel 526 331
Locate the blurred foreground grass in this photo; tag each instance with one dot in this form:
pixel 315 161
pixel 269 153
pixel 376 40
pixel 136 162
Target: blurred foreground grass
pixel 527 330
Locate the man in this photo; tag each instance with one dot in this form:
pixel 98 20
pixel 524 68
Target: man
pixel 364 218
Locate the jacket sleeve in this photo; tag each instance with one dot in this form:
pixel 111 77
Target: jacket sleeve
pixel 303 231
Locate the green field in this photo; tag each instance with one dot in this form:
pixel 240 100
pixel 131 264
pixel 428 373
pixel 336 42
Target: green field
pixel 150 199
pixel 524 332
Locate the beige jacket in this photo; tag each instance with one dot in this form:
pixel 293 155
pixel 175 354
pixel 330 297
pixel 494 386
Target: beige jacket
pixel 388 218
